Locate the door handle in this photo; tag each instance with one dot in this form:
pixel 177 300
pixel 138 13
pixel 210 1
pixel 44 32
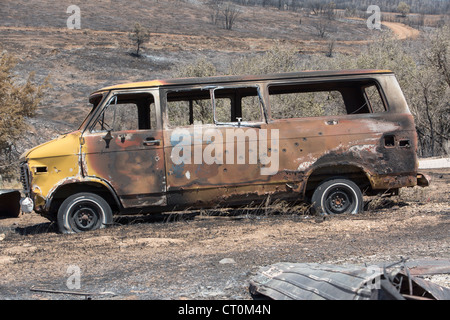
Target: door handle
pixel 151 141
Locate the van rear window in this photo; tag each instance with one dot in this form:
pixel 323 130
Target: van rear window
pixel 324 99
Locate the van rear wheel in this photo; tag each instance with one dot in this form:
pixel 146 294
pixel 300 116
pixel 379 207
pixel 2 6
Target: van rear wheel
pixel 83 212
pixel 337 196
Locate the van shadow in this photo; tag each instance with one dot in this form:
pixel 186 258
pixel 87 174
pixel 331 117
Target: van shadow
pixel 240 213
pixel 187 215
pixel 52 227
pixel 46 227
pixel 155 218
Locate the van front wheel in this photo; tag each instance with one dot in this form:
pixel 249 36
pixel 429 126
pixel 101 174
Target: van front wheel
pixel 83 212
pixel 337 196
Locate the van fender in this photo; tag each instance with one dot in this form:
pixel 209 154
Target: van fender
pixel 338 169
pixel 80 180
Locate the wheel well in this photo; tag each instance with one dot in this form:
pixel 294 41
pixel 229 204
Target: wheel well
pixel 353 173
pixel 67 190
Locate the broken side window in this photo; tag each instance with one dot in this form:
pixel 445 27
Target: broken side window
pixel 374 99
pixel 239 104
pixel 297 104
pixel 324 99
pixel 214 105
pixel 125 112
pixel 186 107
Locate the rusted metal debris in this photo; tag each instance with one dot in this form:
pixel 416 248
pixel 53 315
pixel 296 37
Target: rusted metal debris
pixel 314 281
pixel 428 267
pixel 87 295
pixel 9 203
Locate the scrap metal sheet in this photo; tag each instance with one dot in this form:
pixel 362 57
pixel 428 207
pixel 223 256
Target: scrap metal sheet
pixel 312 281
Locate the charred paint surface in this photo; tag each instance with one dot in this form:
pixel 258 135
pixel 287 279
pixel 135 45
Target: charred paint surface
pixel 50 164
pixel 359 142
pixel 134 169
pixel 305 145
pixel 199 183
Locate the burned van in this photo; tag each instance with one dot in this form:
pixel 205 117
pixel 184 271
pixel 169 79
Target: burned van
pixel 323 137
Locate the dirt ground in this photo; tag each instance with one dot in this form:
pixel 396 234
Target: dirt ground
pixel 213 254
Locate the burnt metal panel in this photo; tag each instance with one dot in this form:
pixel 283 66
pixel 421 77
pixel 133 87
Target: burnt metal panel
pixel 314 281
pixel 135 171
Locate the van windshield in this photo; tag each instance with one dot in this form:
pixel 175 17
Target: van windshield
pixel 94 101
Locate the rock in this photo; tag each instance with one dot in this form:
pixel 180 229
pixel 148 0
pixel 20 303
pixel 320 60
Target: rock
pixel 227 261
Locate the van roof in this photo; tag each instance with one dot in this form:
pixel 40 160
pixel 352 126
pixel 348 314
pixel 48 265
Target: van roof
pixel 224 79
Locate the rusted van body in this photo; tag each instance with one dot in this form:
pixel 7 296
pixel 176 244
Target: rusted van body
pixel 325 136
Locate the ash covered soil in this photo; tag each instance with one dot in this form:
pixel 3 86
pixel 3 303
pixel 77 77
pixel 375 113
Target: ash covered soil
pixel 213 254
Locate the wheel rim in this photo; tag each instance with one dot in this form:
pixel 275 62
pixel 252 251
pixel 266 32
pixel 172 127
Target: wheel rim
pixel 339 199
pixel 85 215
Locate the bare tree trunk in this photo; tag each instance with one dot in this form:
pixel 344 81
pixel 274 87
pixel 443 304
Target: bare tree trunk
pixel 330 51
pixel 430 120
pixel 230 14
